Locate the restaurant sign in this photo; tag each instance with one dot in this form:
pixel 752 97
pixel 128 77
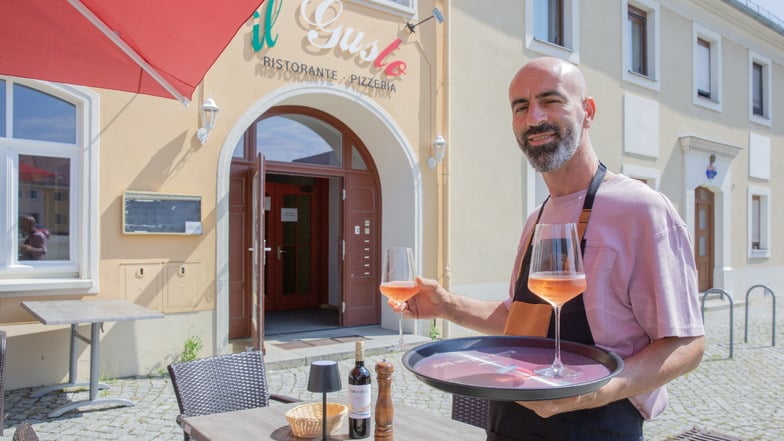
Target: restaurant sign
pixel 326 32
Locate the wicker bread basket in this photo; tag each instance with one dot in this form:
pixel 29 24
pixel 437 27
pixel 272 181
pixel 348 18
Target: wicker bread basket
pixel 305 419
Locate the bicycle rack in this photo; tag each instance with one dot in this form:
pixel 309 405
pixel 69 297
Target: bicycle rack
pixel 732 306
pixel 773 324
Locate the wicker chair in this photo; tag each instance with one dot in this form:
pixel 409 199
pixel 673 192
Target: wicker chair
pixel 24 432
pixel 2 382
pixel 222 383
pixel 470 410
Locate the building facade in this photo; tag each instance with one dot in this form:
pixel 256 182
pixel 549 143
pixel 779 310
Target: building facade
pixel 347 126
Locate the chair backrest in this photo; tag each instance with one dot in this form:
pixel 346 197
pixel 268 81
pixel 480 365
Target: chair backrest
pixel 220 384
pixel 24 432
pixel 471 410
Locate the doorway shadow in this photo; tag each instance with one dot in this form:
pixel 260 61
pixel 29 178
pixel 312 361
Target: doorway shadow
pixel 300 320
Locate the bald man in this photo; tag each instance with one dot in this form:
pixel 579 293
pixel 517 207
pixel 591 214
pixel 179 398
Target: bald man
pixel 34 245
pixel 642 298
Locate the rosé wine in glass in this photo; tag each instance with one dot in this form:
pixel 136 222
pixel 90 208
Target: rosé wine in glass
pixel 556 288
pixel 399 291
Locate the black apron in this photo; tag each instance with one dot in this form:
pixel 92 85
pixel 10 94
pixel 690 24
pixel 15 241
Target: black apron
pixel 510 421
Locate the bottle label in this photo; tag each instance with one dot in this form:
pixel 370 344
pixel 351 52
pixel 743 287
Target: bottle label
pixel 359 401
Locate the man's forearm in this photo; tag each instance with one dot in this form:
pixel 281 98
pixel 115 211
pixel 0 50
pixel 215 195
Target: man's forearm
pixel 487 317
pixel 656 365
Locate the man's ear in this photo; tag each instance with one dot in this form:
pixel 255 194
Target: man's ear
pixel 589 107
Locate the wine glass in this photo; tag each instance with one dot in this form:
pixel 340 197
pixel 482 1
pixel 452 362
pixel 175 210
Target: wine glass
pixel 557 276
pixel 398 281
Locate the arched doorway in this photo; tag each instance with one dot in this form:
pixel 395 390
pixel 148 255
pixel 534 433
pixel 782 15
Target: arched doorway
pixel 704 247
pixel 321 224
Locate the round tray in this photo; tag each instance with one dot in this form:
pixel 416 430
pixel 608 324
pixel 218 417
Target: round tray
pixel 502 367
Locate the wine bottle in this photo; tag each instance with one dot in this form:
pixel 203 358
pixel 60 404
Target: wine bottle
pixel 359 396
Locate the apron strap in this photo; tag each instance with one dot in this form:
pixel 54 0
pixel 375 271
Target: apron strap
pixel 590 195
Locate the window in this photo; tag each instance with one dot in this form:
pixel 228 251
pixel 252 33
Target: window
pixel 707 68
pixel 759 89
pixel 548 22
pixel 50 239
pixel 641 43
pixel 300 139
pixel 552 28
pixel 703 68
pixel 638 37
pixel 759 222
pixel 405 8
pixel 756 203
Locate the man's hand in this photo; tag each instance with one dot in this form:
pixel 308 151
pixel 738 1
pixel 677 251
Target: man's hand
pixel 548 408
pixel 425 304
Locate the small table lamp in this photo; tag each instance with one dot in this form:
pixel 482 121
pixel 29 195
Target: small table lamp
pixel 324 377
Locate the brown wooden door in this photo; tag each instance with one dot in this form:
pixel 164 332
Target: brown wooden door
pixel 361 261
pixel 259 254
pixel 240 192
pixel 703 232
pixel 293 278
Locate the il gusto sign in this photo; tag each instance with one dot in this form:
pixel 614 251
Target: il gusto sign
pixel 327 33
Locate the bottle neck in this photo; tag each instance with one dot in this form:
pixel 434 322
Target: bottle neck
pixel 359 354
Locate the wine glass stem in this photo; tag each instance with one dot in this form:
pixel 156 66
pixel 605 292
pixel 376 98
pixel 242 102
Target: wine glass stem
pixel 557 365
pixel 400 329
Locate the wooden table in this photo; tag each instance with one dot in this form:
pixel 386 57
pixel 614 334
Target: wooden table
pixel 269 423
pixel 95 312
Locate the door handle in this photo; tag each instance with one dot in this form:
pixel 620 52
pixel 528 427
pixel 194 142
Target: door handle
pixel 280 252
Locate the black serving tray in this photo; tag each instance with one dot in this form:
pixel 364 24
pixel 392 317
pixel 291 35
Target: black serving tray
pixel 502 367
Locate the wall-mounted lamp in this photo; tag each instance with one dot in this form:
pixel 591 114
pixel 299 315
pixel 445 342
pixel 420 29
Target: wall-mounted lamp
pixel 436 13
pixel 437 152
pixel 209 114
pixel 710 170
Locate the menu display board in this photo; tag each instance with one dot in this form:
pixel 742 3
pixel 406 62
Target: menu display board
pixel 157 213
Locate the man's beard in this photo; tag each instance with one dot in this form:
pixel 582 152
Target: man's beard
pixel 549 157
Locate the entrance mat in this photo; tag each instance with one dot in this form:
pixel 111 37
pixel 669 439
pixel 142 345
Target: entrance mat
pixel 312 343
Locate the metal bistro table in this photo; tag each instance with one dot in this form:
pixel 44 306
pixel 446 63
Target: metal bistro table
pixel 95 312
pixel 269 423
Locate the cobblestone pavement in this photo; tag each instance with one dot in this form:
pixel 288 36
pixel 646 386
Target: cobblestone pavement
pixel 736 396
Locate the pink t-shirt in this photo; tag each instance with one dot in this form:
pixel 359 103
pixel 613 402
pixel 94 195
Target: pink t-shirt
pixel 639 264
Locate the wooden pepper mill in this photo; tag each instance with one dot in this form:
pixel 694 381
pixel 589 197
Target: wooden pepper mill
pixel 384 408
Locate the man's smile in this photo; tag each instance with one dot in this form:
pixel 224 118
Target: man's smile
pixel 541 138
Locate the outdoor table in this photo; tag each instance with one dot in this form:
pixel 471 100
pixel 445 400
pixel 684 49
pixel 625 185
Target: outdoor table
pixel 269 423
pixel 95 312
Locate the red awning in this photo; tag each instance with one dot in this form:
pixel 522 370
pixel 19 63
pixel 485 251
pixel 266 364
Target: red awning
pixel 153 47
pixel 29 173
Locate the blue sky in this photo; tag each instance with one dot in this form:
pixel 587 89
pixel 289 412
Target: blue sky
pixel 774 6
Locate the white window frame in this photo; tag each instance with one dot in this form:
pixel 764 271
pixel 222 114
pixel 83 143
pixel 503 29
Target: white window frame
pixel 653 38
pixel 571 27
pixel 392 7
pixel 651 176
pixel 767 86
pixel 764 222
pixel 714 41
pixel 79 274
